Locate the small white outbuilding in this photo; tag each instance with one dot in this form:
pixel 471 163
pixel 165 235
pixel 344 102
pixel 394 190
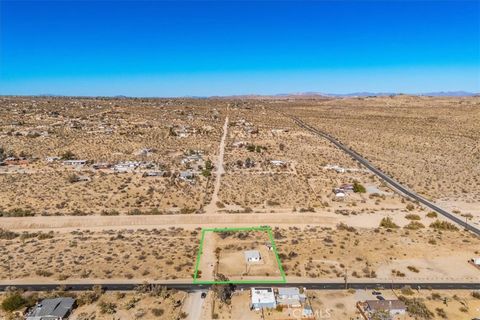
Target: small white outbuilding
pixel 252 256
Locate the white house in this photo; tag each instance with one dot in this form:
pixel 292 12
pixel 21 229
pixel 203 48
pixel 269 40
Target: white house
pixel 263 298
pixel 187 175
pixel 394 307
pixel 126 166
pixel 476 261
pixel 291 297
pixel 252 256
pixel 278 163
pixel 74 162
pixel 52 309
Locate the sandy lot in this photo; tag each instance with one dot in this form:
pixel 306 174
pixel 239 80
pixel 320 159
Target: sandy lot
pixel 121 305
pixel 224 254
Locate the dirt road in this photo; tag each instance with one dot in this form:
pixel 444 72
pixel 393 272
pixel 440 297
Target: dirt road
pixel 212 206
pixel 191 221
pixel 193 305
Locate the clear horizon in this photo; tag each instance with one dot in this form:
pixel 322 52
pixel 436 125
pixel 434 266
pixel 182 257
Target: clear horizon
pixel 176 49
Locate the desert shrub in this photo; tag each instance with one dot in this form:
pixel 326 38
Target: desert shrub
pixel 388 223
pixel 43 273
pixel 7 235
pixel 413 269
pixel 109 213
pixel 343 226
pixel 135 212
pixel 414 225
pixel 17 212
pixel 89 297
pixel 107 307
pixel 157 312
pixel 206 173
pixel 416 307
pixel 441 313
pixel 432 214
pixel 358 188
pixel 68 155
pixel 476 294
pixel 72 178
pixel 272 203
pixel 407 291
pixel 443 225
pixel 14 301
pixel 412 216
pixel 410 207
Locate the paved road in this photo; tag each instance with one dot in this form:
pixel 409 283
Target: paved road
pixel 394 184
pixel 316 286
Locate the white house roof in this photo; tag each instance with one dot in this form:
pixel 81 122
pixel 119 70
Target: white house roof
pixel 289 291
pixel 52 308
pixel 263 295
pixel 252 255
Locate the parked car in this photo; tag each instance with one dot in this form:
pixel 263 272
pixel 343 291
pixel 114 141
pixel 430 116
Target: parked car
pixel 376 293
pixel 203 295
pixel 380 298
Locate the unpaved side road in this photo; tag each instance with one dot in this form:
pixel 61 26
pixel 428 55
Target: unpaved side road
pixel 186 221
pixel 193 305
pixel 220 170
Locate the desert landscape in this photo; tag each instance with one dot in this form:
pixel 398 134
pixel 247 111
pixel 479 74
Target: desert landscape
pixel 117 190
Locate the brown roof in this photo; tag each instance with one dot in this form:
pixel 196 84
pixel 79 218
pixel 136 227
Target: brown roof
pixel 385 304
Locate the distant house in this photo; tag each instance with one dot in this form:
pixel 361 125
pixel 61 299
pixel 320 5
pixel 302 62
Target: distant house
pixel 278 163
pixel 187 175
pixel 52 309
pixel 83 178
pixel 476 261
pixel 145 152
pixel 239 144
pixel 101 165
pixel 14 161
pixel 263 298
pixel 290 297
pixel 347 187
pixel 192 158
pixel 393 307
pixel 126 166
pixel 155 174
pixel 74 163
pixel 339 193
pixel 252 256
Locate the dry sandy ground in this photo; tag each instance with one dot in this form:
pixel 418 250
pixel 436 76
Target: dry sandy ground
pixel 341 305
pixel 422 255
pixel 431 144
pixel 306 254
pixel 117 255
pixel 223 253
pixel 127 306
pixel 113 130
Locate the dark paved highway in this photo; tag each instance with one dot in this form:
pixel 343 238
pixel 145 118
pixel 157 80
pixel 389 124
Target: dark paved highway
pixel 394 184
pixel 316 286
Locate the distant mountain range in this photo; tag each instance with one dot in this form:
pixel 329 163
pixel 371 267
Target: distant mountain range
pixel 322 95
pixel 382 94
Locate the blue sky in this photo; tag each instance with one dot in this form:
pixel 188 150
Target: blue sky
pixel 177 48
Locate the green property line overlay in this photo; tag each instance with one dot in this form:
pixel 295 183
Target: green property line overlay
pixel 274 247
